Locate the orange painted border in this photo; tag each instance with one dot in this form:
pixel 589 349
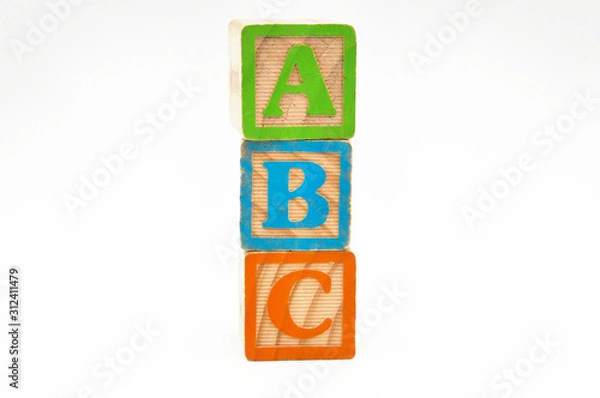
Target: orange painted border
pixel 345 351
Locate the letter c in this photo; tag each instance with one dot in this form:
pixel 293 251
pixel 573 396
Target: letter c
pixel 279 309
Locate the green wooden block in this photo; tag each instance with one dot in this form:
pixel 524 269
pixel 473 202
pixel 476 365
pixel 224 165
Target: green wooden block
pixel 293 81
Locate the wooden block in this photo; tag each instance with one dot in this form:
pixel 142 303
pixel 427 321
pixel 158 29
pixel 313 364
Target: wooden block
pixel 293 81
pixel 295 195
pixel 300 305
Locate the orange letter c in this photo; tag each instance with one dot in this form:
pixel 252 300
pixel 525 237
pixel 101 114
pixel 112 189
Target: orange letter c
pixel 279 309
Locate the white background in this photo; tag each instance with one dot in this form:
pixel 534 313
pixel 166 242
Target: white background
pixel 157 246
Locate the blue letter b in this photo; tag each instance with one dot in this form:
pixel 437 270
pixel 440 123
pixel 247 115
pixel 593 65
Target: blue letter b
pixel 279 195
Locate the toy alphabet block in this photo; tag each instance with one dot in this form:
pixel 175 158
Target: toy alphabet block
pixel 295 195
pixel 293 81
pixel 299 305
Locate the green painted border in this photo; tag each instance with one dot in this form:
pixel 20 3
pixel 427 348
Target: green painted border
pixel 249 128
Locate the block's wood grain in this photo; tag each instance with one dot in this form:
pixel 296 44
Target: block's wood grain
pixel 235 73
pixel 333 233
pixel 310 305
pixel 258 53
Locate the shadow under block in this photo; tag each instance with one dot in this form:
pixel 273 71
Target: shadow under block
pixel 293 81
pixel 295 195
pixel 300 305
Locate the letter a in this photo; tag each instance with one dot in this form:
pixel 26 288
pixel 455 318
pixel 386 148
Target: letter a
pixel 312 84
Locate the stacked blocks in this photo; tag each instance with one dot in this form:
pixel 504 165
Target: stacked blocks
pixel 293 98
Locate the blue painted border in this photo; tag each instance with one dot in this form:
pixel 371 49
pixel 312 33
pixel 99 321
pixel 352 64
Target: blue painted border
pixel 268 244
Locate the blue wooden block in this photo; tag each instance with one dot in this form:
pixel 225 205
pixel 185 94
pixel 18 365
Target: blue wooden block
pixel 295 195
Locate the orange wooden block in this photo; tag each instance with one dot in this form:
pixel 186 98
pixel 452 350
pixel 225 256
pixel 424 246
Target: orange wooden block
pixel 300 305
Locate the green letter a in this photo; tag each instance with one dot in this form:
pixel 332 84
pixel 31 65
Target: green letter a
pixel 312 84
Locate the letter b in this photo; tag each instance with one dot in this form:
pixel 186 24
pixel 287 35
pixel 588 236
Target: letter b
pixel 295 195
pixel 279 195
